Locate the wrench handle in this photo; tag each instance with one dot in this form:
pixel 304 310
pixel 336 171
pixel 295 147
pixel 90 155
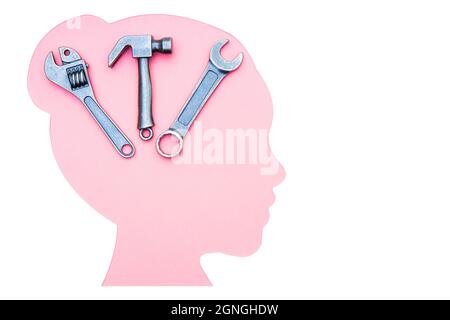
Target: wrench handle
pixel 145 120
pixel 114 134
pixel 201 94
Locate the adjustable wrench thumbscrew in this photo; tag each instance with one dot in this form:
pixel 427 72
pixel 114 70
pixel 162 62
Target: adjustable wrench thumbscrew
pixel 143 47
pixel 218 68
pixel 72 76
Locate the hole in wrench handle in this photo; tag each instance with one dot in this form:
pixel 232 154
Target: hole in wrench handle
pixel 114 134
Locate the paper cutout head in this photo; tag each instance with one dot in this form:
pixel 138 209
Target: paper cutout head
pixel 214 198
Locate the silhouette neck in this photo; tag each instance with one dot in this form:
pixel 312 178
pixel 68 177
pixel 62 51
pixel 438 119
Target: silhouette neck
pixel 154 257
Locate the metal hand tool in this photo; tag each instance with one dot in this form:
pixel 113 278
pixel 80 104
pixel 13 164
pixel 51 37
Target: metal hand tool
pixel 73 77
pixel 218 68
pixel 143 48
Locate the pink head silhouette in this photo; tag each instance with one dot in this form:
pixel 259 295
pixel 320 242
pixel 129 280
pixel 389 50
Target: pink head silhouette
pixel 215 197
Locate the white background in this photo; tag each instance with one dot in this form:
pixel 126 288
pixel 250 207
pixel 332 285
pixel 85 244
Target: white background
pixel 361 92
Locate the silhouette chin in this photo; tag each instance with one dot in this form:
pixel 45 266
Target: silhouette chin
pixel 246 249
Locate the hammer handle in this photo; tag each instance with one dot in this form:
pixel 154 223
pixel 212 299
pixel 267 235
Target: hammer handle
pixel 145 118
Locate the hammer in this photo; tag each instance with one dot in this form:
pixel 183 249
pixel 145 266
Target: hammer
pixel 142 47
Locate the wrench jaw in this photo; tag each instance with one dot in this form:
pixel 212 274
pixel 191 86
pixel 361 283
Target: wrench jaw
pixel 68 55
pixel 219 61
pixel 56 73
pixel 71 75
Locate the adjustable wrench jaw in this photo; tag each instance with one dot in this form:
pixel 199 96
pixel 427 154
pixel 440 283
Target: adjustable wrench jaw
pixel 71 75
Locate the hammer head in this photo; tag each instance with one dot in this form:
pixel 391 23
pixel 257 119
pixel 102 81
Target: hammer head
pixel 142 47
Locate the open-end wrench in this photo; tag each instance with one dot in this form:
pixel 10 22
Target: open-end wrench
pixel 218 68
pixel 73 77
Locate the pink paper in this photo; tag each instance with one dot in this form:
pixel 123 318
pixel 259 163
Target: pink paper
pixel 214 198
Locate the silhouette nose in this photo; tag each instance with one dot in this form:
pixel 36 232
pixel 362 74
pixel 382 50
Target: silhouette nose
pixel 281 175
pixel 274 171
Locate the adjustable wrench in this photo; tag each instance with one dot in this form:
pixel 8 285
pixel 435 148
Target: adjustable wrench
pixel 218 68
pixel 73 77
